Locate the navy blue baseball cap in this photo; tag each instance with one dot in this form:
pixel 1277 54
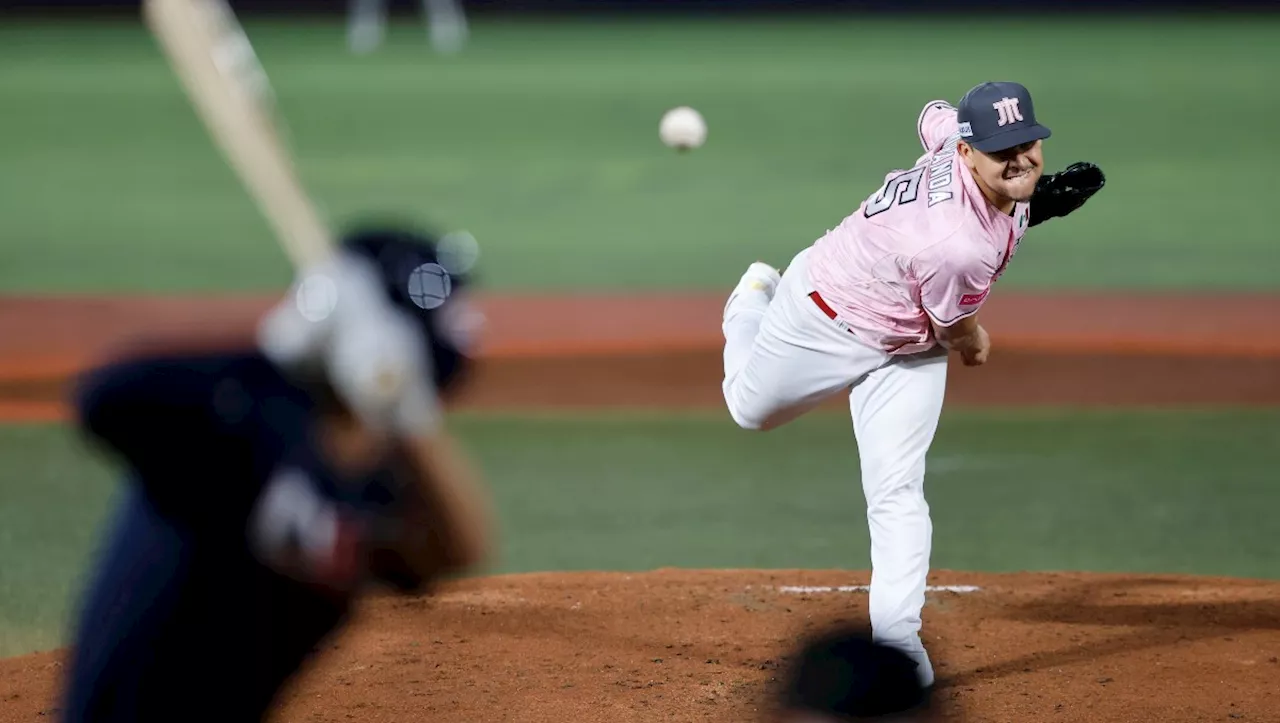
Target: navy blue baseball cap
pixel 998 115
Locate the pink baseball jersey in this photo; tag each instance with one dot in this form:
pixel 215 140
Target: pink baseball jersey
pixel 926 245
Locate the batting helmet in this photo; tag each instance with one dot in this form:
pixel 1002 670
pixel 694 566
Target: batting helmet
pixel 427 287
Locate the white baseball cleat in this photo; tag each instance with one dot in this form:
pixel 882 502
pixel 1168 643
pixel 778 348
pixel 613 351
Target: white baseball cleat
pixel 923 667
pixel 915 650
pixel 759 278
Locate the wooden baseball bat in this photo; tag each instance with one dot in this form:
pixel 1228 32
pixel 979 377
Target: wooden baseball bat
pixel 225 82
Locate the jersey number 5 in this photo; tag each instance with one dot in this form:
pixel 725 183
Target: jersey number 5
pixel 902 188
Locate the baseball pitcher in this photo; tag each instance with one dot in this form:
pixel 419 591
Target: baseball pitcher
pixel 875 305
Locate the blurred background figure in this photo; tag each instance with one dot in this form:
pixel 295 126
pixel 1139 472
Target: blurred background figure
pixel 446 22
pixel 842 675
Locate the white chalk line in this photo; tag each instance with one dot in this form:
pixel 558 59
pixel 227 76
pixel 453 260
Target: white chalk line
pixel 809 589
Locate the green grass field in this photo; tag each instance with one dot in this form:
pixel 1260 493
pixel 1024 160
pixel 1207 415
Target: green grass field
pixel 1119 491
pixel 542 140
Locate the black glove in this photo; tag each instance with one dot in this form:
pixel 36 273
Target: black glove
pixel 1061 193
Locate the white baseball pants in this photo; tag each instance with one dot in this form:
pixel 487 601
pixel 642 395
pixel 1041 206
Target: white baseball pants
pixel 784 357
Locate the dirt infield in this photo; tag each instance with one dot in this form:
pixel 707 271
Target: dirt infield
pixel 649 351
pixel 709 646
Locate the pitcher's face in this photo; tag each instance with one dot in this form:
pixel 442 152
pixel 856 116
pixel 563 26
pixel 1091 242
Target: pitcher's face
pixel 1009 174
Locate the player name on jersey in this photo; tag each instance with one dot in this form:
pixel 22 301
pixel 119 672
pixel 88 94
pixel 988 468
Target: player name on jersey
pixel 941 174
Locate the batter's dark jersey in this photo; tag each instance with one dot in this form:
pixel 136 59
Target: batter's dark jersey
pixel 181 620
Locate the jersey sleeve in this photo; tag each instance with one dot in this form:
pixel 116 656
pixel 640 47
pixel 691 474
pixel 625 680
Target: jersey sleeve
pixel 167 420
pixel 937 122
pixel 952 286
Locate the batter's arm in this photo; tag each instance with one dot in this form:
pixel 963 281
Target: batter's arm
pixel 159 417
pixel 445 526
pixel 380 369
pixel 151 386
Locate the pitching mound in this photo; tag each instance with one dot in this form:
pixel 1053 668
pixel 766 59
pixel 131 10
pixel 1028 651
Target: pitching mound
pixel 708 646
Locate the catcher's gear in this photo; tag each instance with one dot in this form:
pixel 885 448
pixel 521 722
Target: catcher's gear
pixel 1061 193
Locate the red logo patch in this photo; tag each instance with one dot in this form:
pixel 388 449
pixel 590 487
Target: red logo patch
pixel 971 299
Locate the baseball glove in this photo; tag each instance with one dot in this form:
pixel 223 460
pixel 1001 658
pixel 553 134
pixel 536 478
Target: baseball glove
pixel 1061 193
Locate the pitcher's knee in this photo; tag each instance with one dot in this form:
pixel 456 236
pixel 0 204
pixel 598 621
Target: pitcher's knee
pixel 746 420
pixel 745 414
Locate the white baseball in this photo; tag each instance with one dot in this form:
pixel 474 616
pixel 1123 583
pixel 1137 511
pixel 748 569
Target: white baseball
pixel 683 128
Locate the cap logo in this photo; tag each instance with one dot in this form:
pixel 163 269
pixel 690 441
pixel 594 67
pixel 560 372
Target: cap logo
pixel 966 130
pixel 1008 110
pixel 429 286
